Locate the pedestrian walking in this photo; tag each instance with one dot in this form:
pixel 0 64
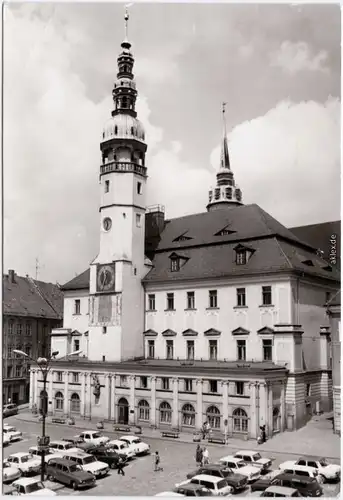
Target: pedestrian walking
pixel 205 456
pixel 157 462
pixel 120 466
pixel 198 455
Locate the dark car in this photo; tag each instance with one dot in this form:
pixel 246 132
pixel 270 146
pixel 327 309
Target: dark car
pixel 108 456
pixel 307 486
pixel 237 481
pixel 10 409
pixel 68 473
pixel 80 443
pixel 193 490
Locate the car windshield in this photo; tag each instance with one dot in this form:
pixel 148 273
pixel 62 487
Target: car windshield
pixel 240 464
pixel 136 441
pixel 31 488
pixel 10 429
pixel 68 446
pixel 123 445
pixel 89 460
pixel 25 458
pixel 74 468
pixel 97 435
pixel 323 462
pixel 257 456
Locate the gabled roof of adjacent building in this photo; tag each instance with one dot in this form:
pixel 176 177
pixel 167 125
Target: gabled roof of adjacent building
pixel 24 296
pixel 80 282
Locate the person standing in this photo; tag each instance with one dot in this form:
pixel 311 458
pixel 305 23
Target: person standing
pixel 198 455
pixel 157 462
pixel 205 456
pixel 120 466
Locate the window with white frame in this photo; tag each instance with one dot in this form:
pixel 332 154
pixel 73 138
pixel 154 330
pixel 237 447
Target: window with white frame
pixel 213 349
pixel 165 383
pixel 59 376
pixel 76 344
pixel 143 410
pixel 19 328
pixel 188 385
pixel 123 381
pixel 241 350
pixel 190 300
pixel 75 377
pixel 144 382
pixel 28 331
pixel 190 349
pixel 165 413
pixel 151 302
pixel 241 297
pixel 188 415
pixel 213 299
pixel 239 388
pixel 170 302
pixel 267 295
pixel 241 257
pixel 213 386
pixel 18 371
pixel 151 349
pixel 77 306
pixel 170 349
pixel 267 349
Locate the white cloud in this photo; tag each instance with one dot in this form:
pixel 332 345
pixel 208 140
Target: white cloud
pixel 288 161
pixel 295 57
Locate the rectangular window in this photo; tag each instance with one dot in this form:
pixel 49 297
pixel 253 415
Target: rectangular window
pixel 138 220
pixel 241 297
pixel 104 329
pixel 151 302
pixel 10 327
pixel 165 383
pixel 240 388
pixel 9 351
pixel 188 385
pixel 9 372
pixel 241 257
pixel 139 188
pixel 28 329
pixel 267 295
pixel 190 300
pixel 170 302
pixel 190 349
pixel 175 264
pixel 77 306
pixel 75 377
pixel 241 350
pixel 308 390
pixel 76 345
pixel 213 348
pixel 123 380
pixel 213 300
pixel 107 186
pixel 144 382
pixel 170 349
pixel 19 328
pixel 151 349
pixel 213 386
pixel 267 349
pixel 59 376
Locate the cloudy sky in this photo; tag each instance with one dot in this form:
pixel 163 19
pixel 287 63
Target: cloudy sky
pixel 277 67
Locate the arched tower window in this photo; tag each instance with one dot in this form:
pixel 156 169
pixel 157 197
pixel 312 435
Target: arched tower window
pixel 116 130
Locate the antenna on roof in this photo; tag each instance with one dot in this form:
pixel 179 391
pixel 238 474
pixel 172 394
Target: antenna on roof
pixel 37 267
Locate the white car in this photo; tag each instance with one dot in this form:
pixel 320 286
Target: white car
pixel 12 433
pixel 290 467
pixel 138 447
pixel 25 462
pixel 88 463
pixel 32 486
pixel 9 473
pixel 60 447
pixel 49 453
pixel 254 457
pixel 94 437
pixel 252 472
pixel 169 494
pixel 121 448
pixel 217 485
pixel 329 472
pixel 5 439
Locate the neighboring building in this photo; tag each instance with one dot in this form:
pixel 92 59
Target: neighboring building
pixel 217 315
pixel 334 313
pixel 31 309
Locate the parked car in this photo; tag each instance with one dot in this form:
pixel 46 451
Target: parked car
pixel 237 481
pixel 7 489
pixel 80 443
pixel 49 453
pixel 94 437
pixel 255 458
pixel 32 486
pixel 71 474
pixel 121 448
pixel 307 486
pixel 25 462
pixel 280 491
pixel 108 456
pixel 216 485
pixel 9 473
pixel 61 446
pixel 136 444
pixel 289 467
pixel 168 494
pixel 252 472
pixel 5 439
pixel 9 410
pixel 12 433
pixel 193 490
pixel 328 472
pixel 88 463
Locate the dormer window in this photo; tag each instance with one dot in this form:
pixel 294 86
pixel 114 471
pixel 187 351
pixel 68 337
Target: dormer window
pixel 175 264
pixel 241 257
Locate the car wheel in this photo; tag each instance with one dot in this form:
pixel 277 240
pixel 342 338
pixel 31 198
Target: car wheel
pixel 49 478
pixel 74 485
pixel 322 478
pixel 112 465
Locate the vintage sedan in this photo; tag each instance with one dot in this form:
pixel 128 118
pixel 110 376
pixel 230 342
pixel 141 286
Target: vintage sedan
pixel 25 462
pixel 136 444
pixel 9 473
pixel 236 480
pixel 31 486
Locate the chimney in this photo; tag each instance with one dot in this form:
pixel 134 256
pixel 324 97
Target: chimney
pixel 11 276
pixel 154 226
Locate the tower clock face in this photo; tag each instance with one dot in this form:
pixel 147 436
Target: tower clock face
pixel 106 278
pixel 107 223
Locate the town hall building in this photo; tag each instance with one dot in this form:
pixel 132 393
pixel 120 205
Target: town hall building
pixel 217 316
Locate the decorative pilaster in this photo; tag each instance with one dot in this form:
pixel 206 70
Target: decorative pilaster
pixel 113 397
pixel 270 410
pixel 50 393
pixel 153 401
pixel 254 409
pixel 32 381
pixel 283 406
pixel 132 416
pixel 107 398
pixel 199 416
pixel 224 385
pixel 83 395
pixel 175 414
pixel 87 402
pixel 66 397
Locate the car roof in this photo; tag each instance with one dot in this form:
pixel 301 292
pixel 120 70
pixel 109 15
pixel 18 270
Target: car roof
pixel 281 489
pixel 207 477
pixel 300 467
pixel 214 466
pixel 191 486
pixel 314 459
pixel 78 453
pixel 306 479
pixel 19 454
pixel 231 458
pixel 59 460
pixel 58 441
pixel 116 441
pixel 246 452
pixel 128 437
pixel 26 480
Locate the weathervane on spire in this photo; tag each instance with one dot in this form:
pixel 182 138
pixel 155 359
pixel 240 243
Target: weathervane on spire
pixel 126 22
pixel 223 110
pixel 224 104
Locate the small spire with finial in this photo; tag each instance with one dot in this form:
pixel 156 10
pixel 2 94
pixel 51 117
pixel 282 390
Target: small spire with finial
pixel 224 159
pixel 126 23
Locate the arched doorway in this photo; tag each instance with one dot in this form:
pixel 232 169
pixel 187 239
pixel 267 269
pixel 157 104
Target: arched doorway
pixel 276 419
pixel 123 411
pixel 59 401
pixel 240 420
pixel 75 403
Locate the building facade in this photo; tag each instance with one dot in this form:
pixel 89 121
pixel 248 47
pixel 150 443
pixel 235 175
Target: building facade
pixel 31 309
pixel 214 316
pixel 334 313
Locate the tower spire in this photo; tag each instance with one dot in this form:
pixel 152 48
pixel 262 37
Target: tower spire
pixel 226 193
pixel 126 17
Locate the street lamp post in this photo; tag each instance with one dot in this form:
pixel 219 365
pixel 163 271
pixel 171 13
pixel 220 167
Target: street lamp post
pixel 44 367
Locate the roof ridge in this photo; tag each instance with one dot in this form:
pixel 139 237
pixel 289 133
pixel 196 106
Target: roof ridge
pixel 41 293
pixel 284 253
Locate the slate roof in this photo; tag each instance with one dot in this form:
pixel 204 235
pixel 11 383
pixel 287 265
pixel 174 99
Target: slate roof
pixel 80 282
pixel 29 297
pixel 319 235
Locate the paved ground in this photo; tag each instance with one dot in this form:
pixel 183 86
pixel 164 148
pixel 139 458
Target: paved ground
pixel 140 479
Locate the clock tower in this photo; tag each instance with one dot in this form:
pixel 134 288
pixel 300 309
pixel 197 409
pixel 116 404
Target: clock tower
pixel 116 291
